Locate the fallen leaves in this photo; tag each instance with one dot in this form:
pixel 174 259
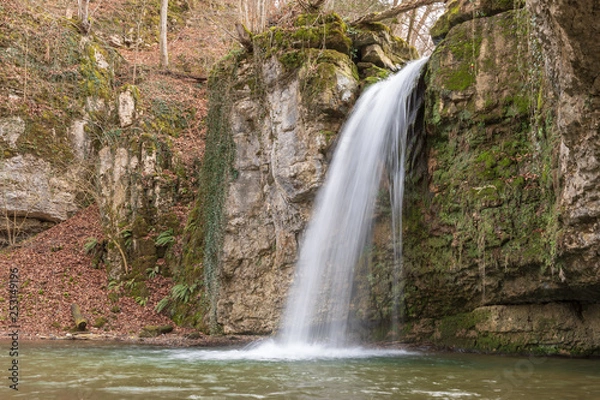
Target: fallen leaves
pixel 55 272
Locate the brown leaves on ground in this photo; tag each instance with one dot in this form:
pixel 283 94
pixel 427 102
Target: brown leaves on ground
pixel 55 271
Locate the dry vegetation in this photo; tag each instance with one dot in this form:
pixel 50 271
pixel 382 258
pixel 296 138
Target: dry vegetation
pixel 54 269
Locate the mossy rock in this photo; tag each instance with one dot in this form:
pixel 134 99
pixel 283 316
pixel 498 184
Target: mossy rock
pixel 150 331
pixel 371 73
pixel 459 11
pixel 484 212
pixel 364 40
pixel 320 80
pixel 310 31
pixel 146 259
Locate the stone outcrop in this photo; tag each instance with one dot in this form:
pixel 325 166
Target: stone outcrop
pixel 284 105
pixel 137 194
pixel 280 163
pixel 501 250
pixel 44 166
pixel 34 196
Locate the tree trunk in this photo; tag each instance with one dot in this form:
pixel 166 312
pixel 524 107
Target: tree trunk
pixel 164 54
pixel 84 15
pixel 411 25
pixel 80 321
pixel 244 36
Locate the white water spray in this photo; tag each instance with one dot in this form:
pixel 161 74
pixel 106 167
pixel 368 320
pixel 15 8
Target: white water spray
pixel 373 138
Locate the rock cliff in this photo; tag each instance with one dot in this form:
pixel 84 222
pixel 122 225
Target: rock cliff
pixel 500 243
pixel 284 104
pixel 46 104
pixel 501 250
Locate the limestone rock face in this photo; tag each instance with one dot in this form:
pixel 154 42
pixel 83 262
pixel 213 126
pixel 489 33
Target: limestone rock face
pixel 569 36
pixel 11 129
pixel 280 162
pixel 126 108
pixel 501 244
pixel 34 196
pixel 266 158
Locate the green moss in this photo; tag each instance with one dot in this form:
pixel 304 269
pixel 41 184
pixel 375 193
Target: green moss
pixel 292 60
pixel 329 135
pixel 169 117
pixel 443 24
pixel 465 49
pixel 96 80
pixel 322 31
pixel 46 137
pixel 373 74
pixel 456 15
pixel 452 325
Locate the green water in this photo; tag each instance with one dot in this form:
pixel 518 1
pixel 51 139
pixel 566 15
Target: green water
pixel 83 370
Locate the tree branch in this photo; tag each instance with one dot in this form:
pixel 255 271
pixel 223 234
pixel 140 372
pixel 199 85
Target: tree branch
pixel 392 12
pixel 180 75
pixel 311 5
pixel 244 36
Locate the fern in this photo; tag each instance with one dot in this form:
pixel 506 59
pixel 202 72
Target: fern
pixel 141 300
pixel 90 245
pixel 183 292
pixel 127 235
pixel 161 305
pixel 114 284
pixel 153 271
pixel 130 284
pixel 165 238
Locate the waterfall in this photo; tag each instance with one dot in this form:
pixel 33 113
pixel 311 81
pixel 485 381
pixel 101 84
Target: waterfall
pixel 373 139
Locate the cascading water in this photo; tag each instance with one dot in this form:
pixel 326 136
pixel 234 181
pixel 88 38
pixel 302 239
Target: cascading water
pixel 373 139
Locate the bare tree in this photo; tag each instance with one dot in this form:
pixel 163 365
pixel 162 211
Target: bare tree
pixel 164 54
pixel 138 40
pixel 83 14
pixel 414 26
pixel 394 11
pixel 254 14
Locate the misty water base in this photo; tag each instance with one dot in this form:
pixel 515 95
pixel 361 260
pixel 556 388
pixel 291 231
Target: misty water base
pixel 83 370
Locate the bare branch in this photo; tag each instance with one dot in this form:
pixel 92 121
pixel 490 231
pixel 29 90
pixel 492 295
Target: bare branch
pixel 392 12
pixel 244 36
pixel 311 5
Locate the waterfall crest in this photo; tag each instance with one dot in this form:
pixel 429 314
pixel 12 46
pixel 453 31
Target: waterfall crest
pixel 373 139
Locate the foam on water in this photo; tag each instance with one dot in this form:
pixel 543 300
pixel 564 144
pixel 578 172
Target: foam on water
pixel 271 350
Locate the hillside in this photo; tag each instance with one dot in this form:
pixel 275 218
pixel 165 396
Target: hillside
pixel 47 83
